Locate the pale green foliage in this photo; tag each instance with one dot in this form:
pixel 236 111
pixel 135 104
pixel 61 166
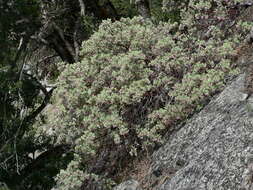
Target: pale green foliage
pixel 135 80
pixel 74 175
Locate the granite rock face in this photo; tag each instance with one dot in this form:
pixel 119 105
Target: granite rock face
pixel 214 150
pixel 128 185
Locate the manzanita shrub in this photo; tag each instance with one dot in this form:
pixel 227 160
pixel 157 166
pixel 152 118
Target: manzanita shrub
pixel 135 80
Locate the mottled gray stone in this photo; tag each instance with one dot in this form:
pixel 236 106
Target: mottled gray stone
pixel 214 150
pixel 128 185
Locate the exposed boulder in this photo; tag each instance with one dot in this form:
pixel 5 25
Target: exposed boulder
pixel 128 185
pixel 214 150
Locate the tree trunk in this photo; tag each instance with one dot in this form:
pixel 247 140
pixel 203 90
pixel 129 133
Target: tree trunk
pixel 61 45
pixel 62 38
pixel 143 8
pixel 104 11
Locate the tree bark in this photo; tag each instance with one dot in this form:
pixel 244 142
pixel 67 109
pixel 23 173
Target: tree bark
pixel 104 11
pixel 61 45
pixel 63 38
pixel 143 8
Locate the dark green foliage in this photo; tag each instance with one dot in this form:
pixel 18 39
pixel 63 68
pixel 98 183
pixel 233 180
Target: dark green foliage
pixel 125 8
pixel 20 104
pixel 15 16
